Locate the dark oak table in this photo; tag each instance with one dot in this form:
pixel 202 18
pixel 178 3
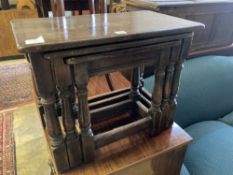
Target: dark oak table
pixel 64 52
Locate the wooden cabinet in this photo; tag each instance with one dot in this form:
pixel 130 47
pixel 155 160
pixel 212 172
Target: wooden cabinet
pixel 216 15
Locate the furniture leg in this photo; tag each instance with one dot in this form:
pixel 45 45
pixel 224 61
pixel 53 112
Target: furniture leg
pixel 38 100
pixel 46 90
pixel 135 84
pixel 65 87
pixel 176 79
pixel 157 94
pixel 166 102
pixel 141 76
pixel 87 138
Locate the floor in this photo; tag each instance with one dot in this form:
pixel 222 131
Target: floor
pixel 31 149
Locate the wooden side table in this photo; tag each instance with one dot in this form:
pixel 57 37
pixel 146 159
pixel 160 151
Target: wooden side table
pixel 64 52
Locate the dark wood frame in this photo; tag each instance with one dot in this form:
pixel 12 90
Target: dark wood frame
pixel 156 111
pixel 61 71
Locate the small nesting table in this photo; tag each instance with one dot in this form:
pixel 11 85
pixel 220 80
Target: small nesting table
pixel 64 52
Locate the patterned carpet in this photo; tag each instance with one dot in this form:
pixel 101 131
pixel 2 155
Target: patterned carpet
pixel 16 84
pixel 7 144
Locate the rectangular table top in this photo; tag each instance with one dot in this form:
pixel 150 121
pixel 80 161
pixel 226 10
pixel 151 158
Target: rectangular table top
pixel 49 34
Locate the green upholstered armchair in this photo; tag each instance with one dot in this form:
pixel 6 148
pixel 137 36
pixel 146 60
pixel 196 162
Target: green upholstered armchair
pixel 205 105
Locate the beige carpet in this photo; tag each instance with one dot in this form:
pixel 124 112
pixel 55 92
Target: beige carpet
pixel 32 156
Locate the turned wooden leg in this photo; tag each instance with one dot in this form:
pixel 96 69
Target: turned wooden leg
pixel 157 94
pixel 168 98
pixel 173 101
pixel 167 101
pixel 141 76
pixel 37 98
pixel 180 56
pixel 166 93
pixel 81 80
pixel 52 123
pixel 155 110
pixel 46 88
pixel 135 83
pixel 65 86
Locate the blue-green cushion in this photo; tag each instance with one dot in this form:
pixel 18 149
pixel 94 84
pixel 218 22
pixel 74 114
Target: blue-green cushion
pixel 228 119
pixel 206 89
pixel 184 170
pixel 211 152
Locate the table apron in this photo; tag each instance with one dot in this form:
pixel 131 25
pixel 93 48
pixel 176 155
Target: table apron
pixel 121 59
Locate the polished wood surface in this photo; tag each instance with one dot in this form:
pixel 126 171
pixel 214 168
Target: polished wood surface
pixel 140 154
pixel 63 33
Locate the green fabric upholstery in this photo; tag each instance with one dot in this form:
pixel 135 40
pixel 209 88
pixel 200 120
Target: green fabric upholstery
pixel 206 94
pixel 228 119
pixel 184 170
pixel 206 89
pixel 211 152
